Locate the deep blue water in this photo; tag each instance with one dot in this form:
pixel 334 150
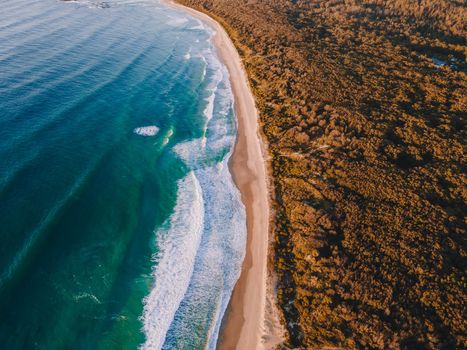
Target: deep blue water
pixel 120 226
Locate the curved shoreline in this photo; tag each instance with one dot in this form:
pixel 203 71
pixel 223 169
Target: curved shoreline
pixel 243 323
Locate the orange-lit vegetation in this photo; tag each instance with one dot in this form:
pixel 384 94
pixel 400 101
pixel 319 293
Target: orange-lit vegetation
pixel 363 105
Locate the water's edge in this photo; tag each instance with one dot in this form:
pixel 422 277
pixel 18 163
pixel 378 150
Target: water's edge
pixel 244 322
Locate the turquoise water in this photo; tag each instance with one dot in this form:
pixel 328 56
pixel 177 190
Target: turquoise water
pixel 120 226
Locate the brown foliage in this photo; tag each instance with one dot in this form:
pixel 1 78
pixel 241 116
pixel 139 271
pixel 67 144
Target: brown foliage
pixel 363 103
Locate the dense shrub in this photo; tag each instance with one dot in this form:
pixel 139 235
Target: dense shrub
pixel 363 103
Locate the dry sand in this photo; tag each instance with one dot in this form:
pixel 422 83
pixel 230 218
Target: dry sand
pixel 250 321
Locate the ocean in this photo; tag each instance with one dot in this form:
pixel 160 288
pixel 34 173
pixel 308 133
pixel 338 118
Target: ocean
pixel 120 225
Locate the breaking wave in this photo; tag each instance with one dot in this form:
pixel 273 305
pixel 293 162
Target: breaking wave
pixel 178 244
pixel 202 245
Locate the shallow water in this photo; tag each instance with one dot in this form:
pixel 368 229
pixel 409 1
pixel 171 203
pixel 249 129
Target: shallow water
pixel 120 225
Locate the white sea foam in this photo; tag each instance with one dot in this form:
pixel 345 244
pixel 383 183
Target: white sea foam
pixel 177 21
pixel 219 103
pixel 150 130
pixel 195 273
pixel 218 75
pixel 178 244
pixel 203 75
pixel 87 296
pixel 190 152
pixel 222 247
pixel 167 137
pixel 198 26
pixel 218 259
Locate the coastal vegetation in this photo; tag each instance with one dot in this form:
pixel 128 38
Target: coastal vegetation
pixel 362 103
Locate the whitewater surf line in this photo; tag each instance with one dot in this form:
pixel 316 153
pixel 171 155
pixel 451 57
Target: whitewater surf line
pixel 178 244
pixel 202 245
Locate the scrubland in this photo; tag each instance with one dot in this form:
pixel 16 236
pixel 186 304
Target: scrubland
pixel 363 105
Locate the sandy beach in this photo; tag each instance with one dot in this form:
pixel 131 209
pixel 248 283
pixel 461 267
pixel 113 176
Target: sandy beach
pixel 244 323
